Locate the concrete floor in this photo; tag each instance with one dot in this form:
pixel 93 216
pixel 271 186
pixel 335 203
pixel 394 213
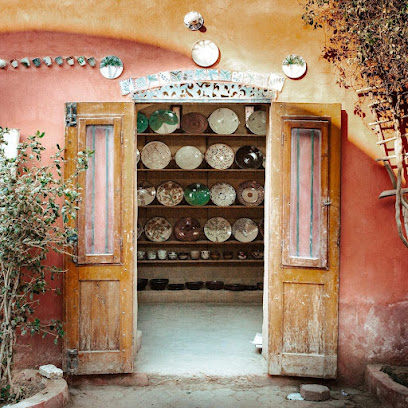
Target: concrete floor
pixel 199 340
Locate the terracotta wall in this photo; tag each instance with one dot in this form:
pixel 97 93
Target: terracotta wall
pixel 373 284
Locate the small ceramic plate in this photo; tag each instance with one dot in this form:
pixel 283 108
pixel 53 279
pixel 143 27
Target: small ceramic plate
pixel 245 230
pixel 139 229
pixel 170 193
pixel 250 193
pixel 219 156
pixel 205 53
pixel 156 155
pixel 163 121
pixel 197 194
pixel 111 67
pixel 194 122
pixel 137 156
pixel 223 194
pixel 187 229
pixel 158 229
pixel 256 123
pixel 249 157
pixel 223 121
pixel 294 66
pixel 188 157
pixel 145 193
pixel 142 122
pixel 217 229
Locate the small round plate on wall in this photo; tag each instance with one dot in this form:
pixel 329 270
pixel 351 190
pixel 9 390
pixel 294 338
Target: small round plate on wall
pixel 111 67
pixel 294 66
pixel 205 53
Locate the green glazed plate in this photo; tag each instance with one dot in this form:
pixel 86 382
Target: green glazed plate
pixel 197 194
pixel 142 122
pixel 163 121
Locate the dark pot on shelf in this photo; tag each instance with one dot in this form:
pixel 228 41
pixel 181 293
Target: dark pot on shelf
pixel 142 283
pixel 183 256
pixel 194 285
pixel 227 255
pixel 214 255
pixel 175 286
pixel 251 287
pixel 214 285
pixel 158 284
pixel 235 287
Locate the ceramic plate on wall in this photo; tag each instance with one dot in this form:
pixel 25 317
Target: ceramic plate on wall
pixel 219 156
pixel 245 230
pixel 111 67
pixel 187 229
pixel 158 229
pixel 163 121
pixel 217 229
pixel 197 194
pixel 205 53
pixel 194 122
pixel 223 194
pixel 249 157
pixel 256 123
pixel 223 121
pixel 188 157
pixel 156 155
pixel 170 193
pixel 294 66
pixel 145 193
pixel 250 193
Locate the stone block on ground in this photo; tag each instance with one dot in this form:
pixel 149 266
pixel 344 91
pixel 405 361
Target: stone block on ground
pixel 315 392
pixel 50 371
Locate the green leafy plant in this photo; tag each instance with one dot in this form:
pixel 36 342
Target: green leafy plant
pixel 367 43
pixel 36 204
pixel 294 60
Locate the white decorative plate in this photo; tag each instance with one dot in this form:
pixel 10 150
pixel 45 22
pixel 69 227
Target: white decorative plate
pixel 137 156
pixel 250 193
pixel 219 156
pixel 205 53
pixel 245 230
pixel 223 194
pixel 156 155
pixel 188 157
pixel 170 193
pixel 111 67
pixel 256 123
pixel 158 229
pixel 223 121
pixel 294 66
pixel 145 193
pixel 217 229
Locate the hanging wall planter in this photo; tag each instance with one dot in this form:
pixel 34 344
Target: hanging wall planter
pixel 294 66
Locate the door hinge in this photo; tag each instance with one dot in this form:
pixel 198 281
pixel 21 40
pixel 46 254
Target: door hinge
pixel 71 114
pixel 72 361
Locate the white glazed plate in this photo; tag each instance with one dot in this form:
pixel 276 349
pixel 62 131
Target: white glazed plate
pixel 111 67
pixel 170 193
pixel 294 66
pixel 217 229
pixel 256 123
pixel 156 155
pixel 223 121
pixel 245 230
pixel 219 156
pixel 205 53
pixel 188 157
pixel 223 194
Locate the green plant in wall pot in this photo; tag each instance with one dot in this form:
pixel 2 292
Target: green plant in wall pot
pixel 37 206
pixel 294 66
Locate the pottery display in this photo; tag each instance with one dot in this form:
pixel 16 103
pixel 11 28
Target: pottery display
pixel 163 121
pixel 235 287
pixel 256 122
pixel 194 285
pixel 188 157
pixel 217 229
pixel 151 255
pixel 141 284
pixel 142 122
pixel 197 194
pixel 175 286
pixel 162 254
pixel 141 255
pixel 227 255
pixel 169 193
pixel 224 121
pixel 195 255
pixel 156 155
pixel 194 122
pixel 223 194
pixel 257 254
pixel 249 157
pixel 245 230
pixel 214 255
pixel 219 156
pixel 250 193
pixel 205 53
pixel 158 229
pixel 241 255
pixel 187 229
pixel 182 256
pixel 205 255
pixel 172 255
pixel 158 284
pixel 214 285
pixel 146 193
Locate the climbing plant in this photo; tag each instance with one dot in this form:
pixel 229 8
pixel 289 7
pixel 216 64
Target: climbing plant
pixel 36 204
pixel 367 43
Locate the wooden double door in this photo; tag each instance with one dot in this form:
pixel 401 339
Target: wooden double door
pixel 302 209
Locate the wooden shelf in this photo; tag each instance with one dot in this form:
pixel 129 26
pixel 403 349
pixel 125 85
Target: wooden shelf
pixel 246 135
pixel 202 170
pixel 201 243
pixel 202 207
pixel 201 261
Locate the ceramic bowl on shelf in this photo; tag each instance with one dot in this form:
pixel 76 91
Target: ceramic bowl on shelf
pixel 172 255
pixel 227 255
pixel 175 286
pixel 188 157
pixel 194 122
pixel 156 155
pixel 145 193
pixel 223 194
pixel 170 193
pixel 214 285
pixel 141 284
pixel 194 285
pixel 163 121
pixel 214 255
pixel 219 156
pixel 197 194
pixel 257 254
pixel 245 230
pixel 183 256
pixel 250 193
pixel 158 229
pixel 235 287
pixel 187 229
pixel 256 122
pixel 158 284
pixel 223 121
pixel 249 157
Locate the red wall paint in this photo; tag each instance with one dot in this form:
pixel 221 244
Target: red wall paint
pixel 373 285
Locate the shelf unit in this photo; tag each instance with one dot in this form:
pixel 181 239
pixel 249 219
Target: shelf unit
pixel 248 271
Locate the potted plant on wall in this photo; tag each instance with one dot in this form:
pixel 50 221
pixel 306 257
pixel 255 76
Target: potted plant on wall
pixel 35 205
pixel 294 66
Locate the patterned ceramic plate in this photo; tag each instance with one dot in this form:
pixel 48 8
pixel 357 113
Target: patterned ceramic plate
pixel 256 123
pixel 163 121
pixel 194 122
pixel 197 194
pixel 223 121
pixel 223 194
pixel 145 193
pixel 187 229
pixel 188 157
pixel 156 155
pixel 249 157
pixel 170 193
pixel 245 230
pixel 142 122
pixel 250 193
pixel 111 67
pixel 217 229
pixel 219 156
pixel 157 229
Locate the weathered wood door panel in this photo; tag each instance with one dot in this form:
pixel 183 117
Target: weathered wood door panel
pixel 98 290
pixel 304 227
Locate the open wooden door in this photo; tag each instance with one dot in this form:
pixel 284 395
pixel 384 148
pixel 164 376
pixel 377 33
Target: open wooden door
pixel 303 239
pixel 98 288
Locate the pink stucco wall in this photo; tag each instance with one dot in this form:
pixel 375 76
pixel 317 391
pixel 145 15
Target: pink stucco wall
pixel 373 283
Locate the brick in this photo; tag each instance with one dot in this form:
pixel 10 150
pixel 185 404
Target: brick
pixel 314 392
